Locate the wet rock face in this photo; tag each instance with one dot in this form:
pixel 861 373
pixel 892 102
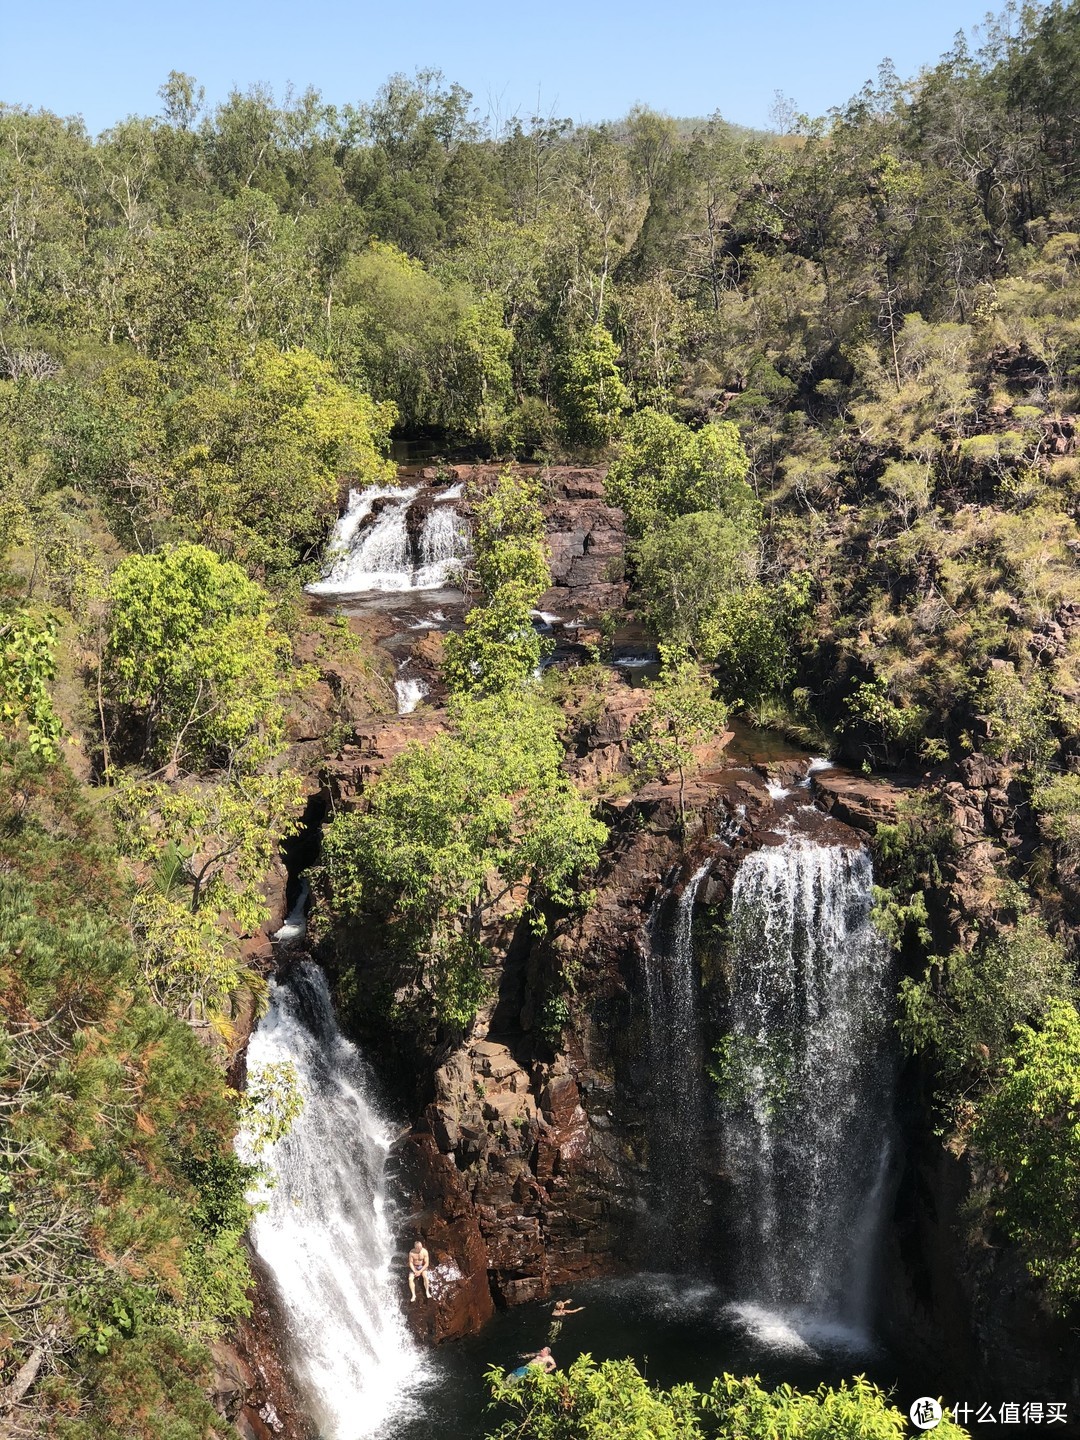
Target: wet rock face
pixel 536 1125
pixel 251 1384
pixel 442 1215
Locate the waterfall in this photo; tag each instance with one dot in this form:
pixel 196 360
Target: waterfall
pixel 375 551
pixel 443 544
pixel 325 1234
pixel 807 1081
pixel 675 1056
pixel 409 691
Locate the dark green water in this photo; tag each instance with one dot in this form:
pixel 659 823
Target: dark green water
pixel 675 1329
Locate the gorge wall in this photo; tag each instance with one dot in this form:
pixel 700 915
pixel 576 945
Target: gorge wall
pixel 527 1163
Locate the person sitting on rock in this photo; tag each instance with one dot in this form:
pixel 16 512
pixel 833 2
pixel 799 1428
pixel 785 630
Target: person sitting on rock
pixel 561 1310
pixel 419 1264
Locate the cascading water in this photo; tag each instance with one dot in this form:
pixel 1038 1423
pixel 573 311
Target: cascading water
pixel 444 542
pixel 375 551
pixel 675 1056
pixel 325 1234
pixel 808 1082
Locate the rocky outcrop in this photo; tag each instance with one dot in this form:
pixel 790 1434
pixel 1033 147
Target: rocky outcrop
pixel 252 1387
pixel 539 1113
pixel 441 1214
pixel 587 538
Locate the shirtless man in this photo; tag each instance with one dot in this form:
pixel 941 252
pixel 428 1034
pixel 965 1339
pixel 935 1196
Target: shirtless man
pixel 544 1360
pixel 419 1263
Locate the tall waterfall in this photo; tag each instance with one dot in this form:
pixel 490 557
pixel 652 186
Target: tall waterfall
pixel 379 551
pixel 672 993
pixel 808 1079
pixel 325 1234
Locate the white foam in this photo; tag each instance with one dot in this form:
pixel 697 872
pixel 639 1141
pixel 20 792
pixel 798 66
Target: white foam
pixel 798 1332
pixel 295 926
pixel 378 557
pixel 776 791
pixel 326 1229
pixel 409 693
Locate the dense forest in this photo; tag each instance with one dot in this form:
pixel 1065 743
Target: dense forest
pixel 834 372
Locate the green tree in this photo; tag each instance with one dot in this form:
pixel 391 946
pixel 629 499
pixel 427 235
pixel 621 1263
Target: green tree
pixel 967 1007
pixel 592 396
pixel 664 469
pixel 479 821
pixel 193 663
pixel 499 648
pixel 611 1400
pixel 27 665
pixel 437 351
pixel 688 574
pixel 258 466
pixel 1029 1130
pixel 681 716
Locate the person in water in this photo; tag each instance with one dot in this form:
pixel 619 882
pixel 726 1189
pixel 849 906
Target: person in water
pixel 542 1360
pixel 419 1264
pixel 559 1314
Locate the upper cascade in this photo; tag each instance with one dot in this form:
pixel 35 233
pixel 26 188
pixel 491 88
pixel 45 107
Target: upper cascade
pixel 394 538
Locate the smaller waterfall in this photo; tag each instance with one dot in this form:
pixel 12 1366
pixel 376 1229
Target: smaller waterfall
pixel 444 542
pixel 376 551
pixel 808 1082
pixel 325 1234
pixel 675 1053
pixel 409 691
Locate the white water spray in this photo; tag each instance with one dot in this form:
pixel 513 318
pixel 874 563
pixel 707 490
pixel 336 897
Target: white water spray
pixel 326 1233
pixel 678 1102
pixel 371 547
pixel 809 1084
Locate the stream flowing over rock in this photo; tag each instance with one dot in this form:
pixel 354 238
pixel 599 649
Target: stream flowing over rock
pixel 394 538
pixel 326 1234
pixel 671 991
pixel 808 1079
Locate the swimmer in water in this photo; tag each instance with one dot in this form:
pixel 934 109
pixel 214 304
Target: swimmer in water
pixel 558 1314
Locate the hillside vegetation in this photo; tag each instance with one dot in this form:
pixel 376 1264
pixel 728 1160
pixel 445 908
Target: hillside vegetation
pixel 835 375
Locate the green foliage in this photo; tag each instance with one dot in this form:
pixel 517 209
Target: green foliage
pixel 910 855
pixel 855 1409
pixel 611 1400
pixel 967 1006
pixel 1029 1129
pixel 592 395
pixel 258 467
pixel 871 707
pixel 117 1255
pixel 211 844
pixel 664 469
pixel 499 648
pixel 27 664
pixel 754 635
pixel 1057 800
pixel 1018 710
pixel 193 663
pixel 480 819
pixel 438 352
pixel 752 1069
pixel 686 571
pixel 682 715
pixel 270 1103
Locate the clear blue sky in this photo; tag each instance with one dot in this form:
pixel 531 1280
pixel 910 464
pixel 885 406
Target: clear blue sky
pixel 588 59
